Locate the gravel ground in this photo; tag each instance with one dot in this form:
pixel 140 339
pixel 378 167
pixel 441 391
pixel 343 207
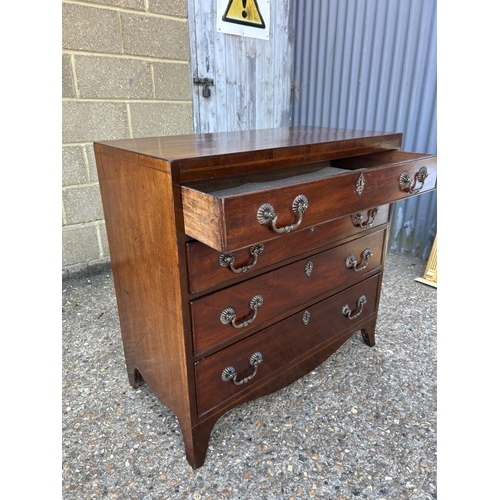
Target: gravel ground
pixel 362 425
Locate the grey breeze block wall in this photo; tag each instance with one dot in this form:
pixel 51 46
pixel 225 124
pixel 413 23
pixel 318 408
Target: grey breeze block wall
pixel 125 74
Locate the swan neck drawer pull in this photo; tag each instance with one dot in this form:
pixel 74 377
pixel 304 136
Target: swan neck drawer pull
pixel 228 315
pixel 357 219
pixel 266 214
pixel 352 263
pixel 229 373
pixel 405 180
pixel 227 260
pixel 346 310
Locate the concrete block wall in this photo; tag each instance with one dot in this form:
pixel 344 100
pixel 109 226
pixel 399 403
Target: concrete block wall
pixel 125 73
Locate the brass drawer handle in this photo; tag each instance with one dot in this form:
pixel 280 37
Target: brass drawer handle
pixel 357 219
pixel 352 263
pixel 405 180
pixel 229 373
pixel 227 260
pixel 266 214
pixel 228 315
pixel 346 310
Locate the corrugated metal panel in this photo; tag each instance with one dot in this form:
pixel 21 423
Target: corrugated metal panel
pixel 371 64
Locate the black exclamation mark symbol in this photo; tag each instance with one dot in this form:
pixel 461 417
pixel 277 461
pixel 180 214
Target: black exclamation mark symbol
pixel 244 13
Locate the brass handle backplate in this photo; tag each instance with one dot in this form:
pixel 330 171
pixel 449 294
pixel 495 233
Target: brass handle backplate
pixel 266 214
pixel 228 315
pixel 227 260
pixel 229 373
pixel 352 263
pixel 346 310
pixel 405 181
pixel 357 219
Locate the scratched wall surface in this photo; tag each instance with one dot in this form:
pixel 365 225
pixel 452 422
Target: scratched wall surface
pixel 371 64
pixel 252 77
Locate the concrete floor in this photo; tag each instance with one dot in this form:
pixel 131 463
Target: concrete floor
pixel 362 425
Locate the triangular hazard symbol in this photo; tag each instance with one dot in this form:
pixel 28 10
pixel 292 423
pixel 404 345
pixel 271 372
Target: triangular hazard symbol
pixel 244 12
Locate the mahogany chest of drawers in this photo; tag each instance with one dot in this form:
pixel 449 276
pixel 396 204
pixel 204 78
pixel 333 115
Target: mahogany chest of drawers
pixel 243 260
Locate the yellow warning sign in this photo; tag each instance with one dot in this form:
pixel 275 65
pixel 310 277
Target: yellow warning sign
pixel 250 18
pixel 245 12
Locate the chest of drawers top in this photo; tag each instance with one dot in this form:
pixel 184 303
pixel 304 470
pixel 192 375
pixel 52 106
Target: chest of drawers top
pixel 213 155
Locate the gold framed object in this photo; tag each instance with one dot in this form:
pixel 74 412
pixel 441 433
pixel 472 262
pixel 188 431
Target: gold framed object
pixel 431 270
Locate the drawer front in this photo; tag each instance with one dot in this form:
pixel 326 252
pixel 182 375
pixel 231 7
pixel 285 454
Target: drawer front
pixel 232 219
pixel 208 267
pixel 245 306
pixel 282 344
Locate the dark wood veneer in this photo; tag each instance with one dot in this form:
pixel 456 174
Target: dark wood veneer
pixel 223 222
pixel 282 343
pixel 282 289
pixel 169 341
pixel 205 270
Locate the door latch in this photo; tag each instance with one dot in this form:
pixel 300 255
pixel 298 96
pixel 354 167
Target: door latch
pixel 206 82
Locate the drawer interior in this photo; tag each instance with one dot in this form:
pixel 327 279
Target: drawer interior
pixel 383 158
pixel 258 181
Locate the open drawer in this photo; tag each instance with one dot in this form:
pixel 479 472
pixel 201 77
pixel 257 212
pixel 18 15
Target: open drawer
pixel 233 212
